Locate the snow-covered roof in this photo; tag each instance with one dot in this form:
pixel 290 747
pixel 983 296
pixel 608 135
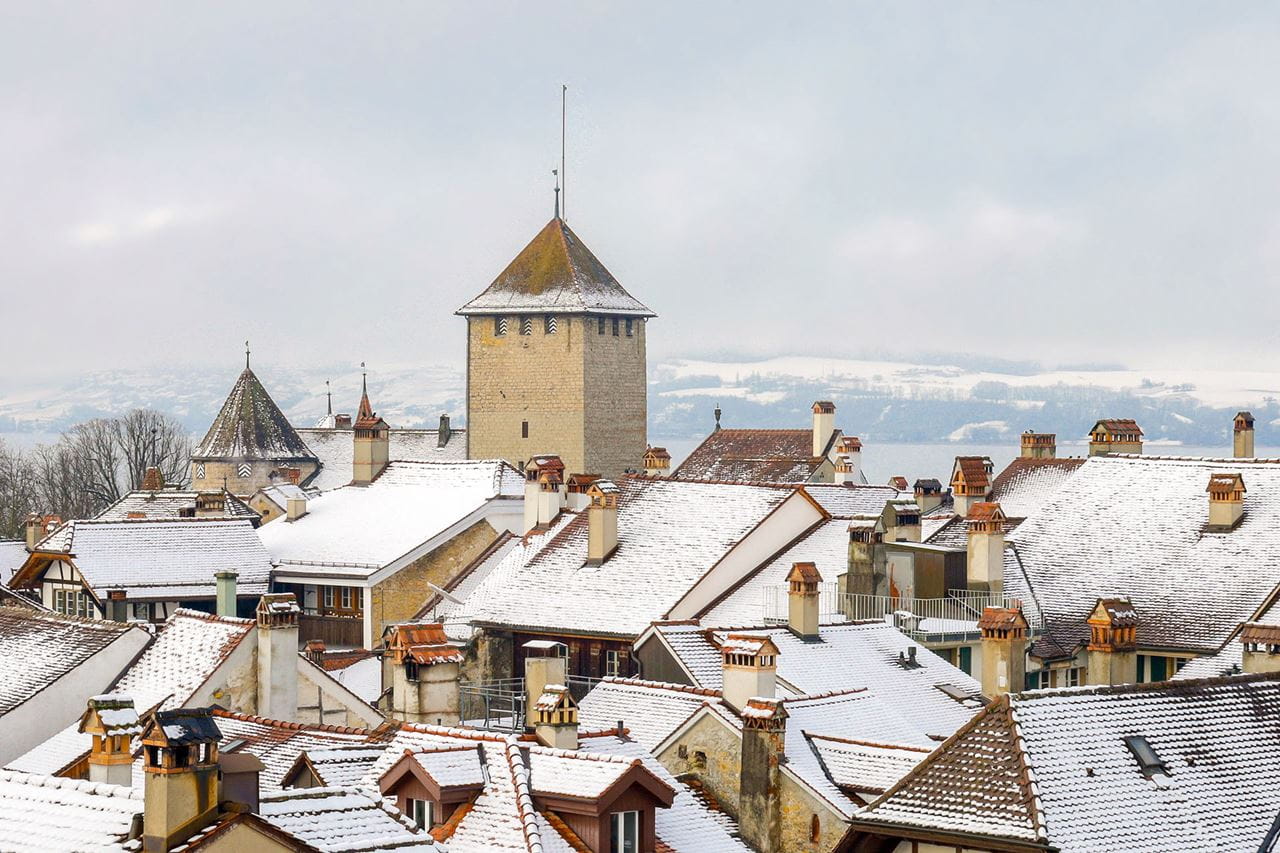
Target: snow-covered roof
pixel 357 530
pixel 1059 768
pixel 40 813
pixel 753 456
pixel 1025 483
pixel 335 447
pixel 163 560
pixel 452 766
pixel 278 745
pixel 169 504
pixel 1136 526
pixel 572 774
pixel 438 608
pixel 343 766
pixel 866 766
pixel 281 493
pixel 37 649
pixel 853 499
pixel 555 273
pixel 13 553
pixel 650 710
pixel 251 426
pixel 342 821
pixel 846 657
pixel 670 534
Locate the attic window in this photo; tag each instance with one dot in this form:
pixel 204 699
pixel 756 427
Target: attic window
pixel 499 326
pixel 526 325
pixel 599 325
pixel 630 327
pixel 1148 761
pixel 549 324
pixel 615 327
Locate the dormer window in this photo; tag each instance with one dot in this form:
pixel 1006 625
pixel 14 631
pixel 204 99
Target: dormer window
pixel 624 832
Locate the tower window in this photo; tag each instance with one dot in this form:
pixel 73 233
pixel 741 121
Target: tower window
pixel 524 429
pixel 631 327
pixel 599 325
pixel 549 324
pixel 615 327
pixel 499 326
pixel 526 325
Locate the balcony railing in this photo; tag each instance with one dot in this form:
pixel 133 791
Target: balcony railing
pixel 953 619
pixel 501 704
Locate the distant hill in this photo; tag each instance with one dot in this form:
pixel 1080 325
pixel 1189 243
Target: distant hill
pixel 881 400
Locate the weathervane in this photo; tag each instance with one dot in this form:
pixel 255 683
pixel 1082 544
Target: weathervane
pixel 556 172
pixel 246 355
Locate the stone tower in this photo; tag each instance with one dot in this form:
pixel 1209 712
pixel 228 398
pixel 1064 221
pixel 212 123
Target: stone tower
pixel 248 440
pixel 556 361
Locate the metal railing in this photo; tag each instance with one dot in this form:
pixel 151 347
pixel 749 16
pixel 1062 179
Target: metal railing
pixel 951 619
pixel 501 705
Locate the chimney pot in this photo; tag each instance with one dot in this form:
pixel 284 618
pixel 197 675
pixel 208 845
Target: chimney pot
pixel 444 432
pixel 225 584
pixel 1226 501
pixel 750 667
pixel 1004 641
pixel 1039 445
pixel 602 521
pixel 824 424
pixel 803 600
pixel 296 508
pixel 1242 435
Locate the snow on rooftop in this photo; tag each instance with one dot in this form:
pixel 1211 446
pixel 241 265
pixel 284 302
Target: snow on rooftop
pixel 866 766
pixel 40 813
pixel 335 448
pixel 344 766
pixel 364 528
pixel 1024 486
pixel 452 766
pixel 847 501
pixel 336 819
pixel 278 745
pixel 649 710
pixel 168 503
pixel 558 772
pixel 37 649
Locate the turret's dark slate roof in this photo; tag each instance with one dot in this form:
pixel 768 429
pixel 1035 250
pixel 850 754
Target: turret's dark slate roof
pixel 556 273
pixel 251 426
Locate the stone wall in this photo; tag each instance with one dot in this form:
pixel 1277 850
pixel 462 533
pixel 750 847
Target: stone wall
pixel 260 477
pixel 718 766
pixel 616 399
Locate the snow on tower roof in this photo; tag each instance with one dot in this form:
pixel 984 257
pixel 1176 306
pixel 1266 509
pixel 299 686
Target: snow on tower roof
pixel 251 426
pixel 555 273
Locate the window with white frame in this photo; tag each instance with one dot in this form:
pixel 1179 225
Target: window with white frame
pixel 72 602
pixel 624 832
pixel 612 662
pixel 421 812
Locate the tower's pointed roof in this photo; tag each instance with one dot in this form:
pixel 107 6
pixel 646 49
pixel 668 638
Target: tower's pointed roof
pixel 556 273
pixel 366 417
pixel 251 426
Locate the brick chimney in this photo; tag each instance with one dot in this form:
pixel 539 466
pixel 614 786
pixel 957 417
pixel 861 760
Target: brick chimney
pixel 555 717
pixel 152 480
pixel 602 521
pixel 34 529
pixel 928 494
pixel 802 600
pixel 657 462
pixel 864 535
pixel 1261 651
pixel 225 592
pixel 749 669
pixel 1113 642
pixel 372 437
pixel 1115 435
pixel 295 508
pixel 314 650
pixel 423 666
pixel 764 734
pixel 901 520
pixel 544 491
pixel 576 486
pixel 824 423
pixel 544 664
pixel 1004 650
pixel 1226 502
pixel 112 721
pixel 180 760
pixel 278 656
pixel 1242 439
pixel 970 482
pixel 444 432
pixel 849 460
pixel 985 547
pixel 1039 445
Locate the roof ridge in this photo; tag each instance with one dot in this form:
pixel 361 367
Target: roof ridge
pixel 524 798
pixel 855 742
pixel 663 685
pixel 830 694
pixel 1030 783
pixel 209 617
pixel 1179 686
pixel 586 756
pixel 290 725
pixel 39 780
pixel 62 618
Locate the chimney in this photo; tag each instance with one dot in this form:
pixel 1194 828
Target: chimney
pixel 211 504
pixel 296 508
pixel 576 488
pixel 180 759
pixel 1226 502
pixel 555 717
pixel 749 669
pixel 423 666
pixel 277 656
pixel 1242 443
pixel 240 772
pixel 34 528
pixel 928 494
pixel 443 433
pixel 824 423
pixel 152 480
pixel 985 548
pixel 544 495
pixel 901 520
pixel 1115 435
pixel 802 600
pixel 657 462
pixel 1261 651
pixel 1113 642
pixel 1004 655
pixel 864 536
pixel 342 421
pixel 849 460
pixel 112 721
pixel 225 585
pixel 544 664
pixel 970 482
pixel 372 439
pixel 315 651
pixel 764 734
pixel 291 474
pixel 602 521
pixel 1039 445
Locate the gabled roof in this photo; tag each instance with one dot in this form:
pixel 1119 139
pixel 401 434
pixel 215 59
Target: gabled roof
pixel 555 273
pixel 1116 425
pixel 852 499
pixel 169 504
pixel 164 559
pixel 251 426
pixel 1026 483
pixel 754 456
pixel 335 448
pixel 1053 767
pixel 650 710
pixel 343 752
pixel 44 812
pixel 973 471
pixel 338 819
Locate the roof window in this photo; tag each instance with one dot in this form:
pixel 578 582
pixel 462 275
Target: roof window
pixel 1148 760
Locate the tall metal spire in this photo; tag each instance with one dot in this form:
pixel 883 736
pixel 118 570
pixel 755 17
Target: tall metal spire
pixel 556 172
pixel 564 176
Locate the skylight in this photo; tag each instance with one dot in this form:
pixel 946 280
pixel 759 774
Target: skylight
pixel 1148 760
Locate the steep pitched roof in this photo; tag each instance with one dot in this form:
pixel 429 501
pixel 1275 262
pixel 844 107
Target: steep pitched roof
pixel 168 503
pixel 47 813
pixel 251 426
pixel 555 273
pixel 753 456
pixel 1025 483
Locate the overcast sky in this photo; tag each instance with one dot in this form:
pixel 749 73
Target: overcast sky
pixel 1061 182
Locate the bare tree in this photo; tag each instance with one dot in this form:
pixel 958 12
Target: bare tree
pixel 18 491
pixel 146 438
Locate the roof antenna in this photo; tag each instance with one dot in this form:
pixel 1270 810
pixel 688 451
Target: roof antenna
pixel 246 355
pixel 564 89
pixel 328 392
